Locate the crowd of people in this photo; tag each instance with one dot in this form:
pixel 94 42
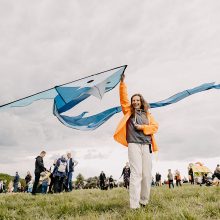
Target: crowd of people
pixel 59 178
pixel 207 179
pixel 53 180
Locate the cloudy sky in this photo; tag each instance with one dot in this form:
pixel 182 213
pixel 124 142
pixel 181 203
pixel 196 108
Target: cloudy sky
pixel 169 46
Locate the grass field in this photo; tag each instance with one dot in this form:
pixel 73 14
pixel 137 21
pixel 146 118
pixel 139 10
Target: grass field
pixel 187 202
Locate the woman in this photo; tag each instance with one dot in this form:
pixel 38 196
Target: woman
pixel 136 130
pixel 27 180
pixel 126 174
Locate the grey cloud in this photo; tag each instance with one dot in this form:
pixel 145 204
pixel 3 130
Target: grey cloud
pixel 94 154
pixel 7 160
pixel 6 138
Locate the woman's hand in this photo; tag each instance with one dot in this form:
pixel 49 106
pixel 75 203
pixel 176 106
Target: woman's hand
pixel 138 127
pixel 122 77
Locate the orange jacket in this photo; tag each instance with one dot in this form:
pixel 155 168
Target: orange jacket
pixel 120 133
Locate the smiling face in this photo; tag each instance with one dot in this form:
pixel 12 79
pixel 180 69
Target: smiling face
pixel 136 102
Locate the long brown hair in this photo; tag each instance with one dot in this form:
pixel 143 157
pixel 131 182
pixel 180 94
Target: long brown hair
pixel 144 105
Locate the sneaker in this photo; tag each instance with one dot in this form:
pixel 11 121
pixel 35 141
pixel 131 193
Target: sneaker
pixel 142 205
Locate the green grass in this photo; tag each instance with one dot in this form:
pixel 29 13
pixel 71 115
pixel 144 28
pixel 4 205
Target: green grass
pixel 187 202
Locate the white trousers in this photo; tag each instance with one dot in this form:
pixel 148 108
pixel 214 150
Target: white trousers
pixel 141 174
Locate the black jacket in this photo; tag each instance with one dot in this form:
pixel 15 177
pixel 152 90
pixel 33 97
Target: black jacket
pixel 28 178
pixel 39 165
pixel 71 166
pixel 102 177
pixel 16 179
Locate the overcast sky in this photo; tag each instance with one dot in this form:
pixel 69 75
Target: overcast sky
pixel 169 46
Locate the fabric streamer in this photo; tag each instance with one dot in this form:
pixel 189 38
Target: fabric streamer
pixel 68 95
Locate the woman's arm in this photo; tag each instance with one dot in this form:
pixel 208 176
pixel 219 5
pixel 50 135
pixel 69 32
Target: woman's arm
pixel 149 129
pixel 125 104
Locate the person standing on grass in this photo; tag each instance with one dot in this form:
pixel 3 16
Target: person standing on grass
pixel 39 167
pixel 126 172
pixel 217 171
pixel 136 131
pixel 27 180
pixel 178 178
pixel 170 178
pixel 111 182
pixel 191 175
pixel 71 163
pixel 16 182
pixel 102 179
pixel 59 174
pixel 158 179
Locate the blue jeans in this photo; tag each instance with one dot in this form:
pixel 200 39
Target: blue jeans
pixel 44 188
pixel 15 187
pixel 69 181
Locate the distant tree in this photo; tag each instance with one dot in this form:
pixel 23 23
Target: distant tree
pixel 91 182
pixel 8 178
pixel 79 180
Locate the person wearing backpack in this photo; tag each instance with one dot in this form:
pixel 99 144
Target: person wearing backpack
pixel 59 174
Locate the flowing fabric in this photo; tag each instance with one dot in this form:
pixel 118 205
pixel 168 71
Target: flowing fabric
pixel 181 95
pixel 69 95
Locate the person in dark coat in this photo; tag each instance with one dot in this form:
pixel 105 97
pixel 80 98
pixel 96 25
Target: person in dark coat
pixel 16 182
pixel 27 180
pixel 71 163
pixel 158 179
pixel 39 167
pixel 126 175
pixel 111 182
pixel 102 179
pixel 191 175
